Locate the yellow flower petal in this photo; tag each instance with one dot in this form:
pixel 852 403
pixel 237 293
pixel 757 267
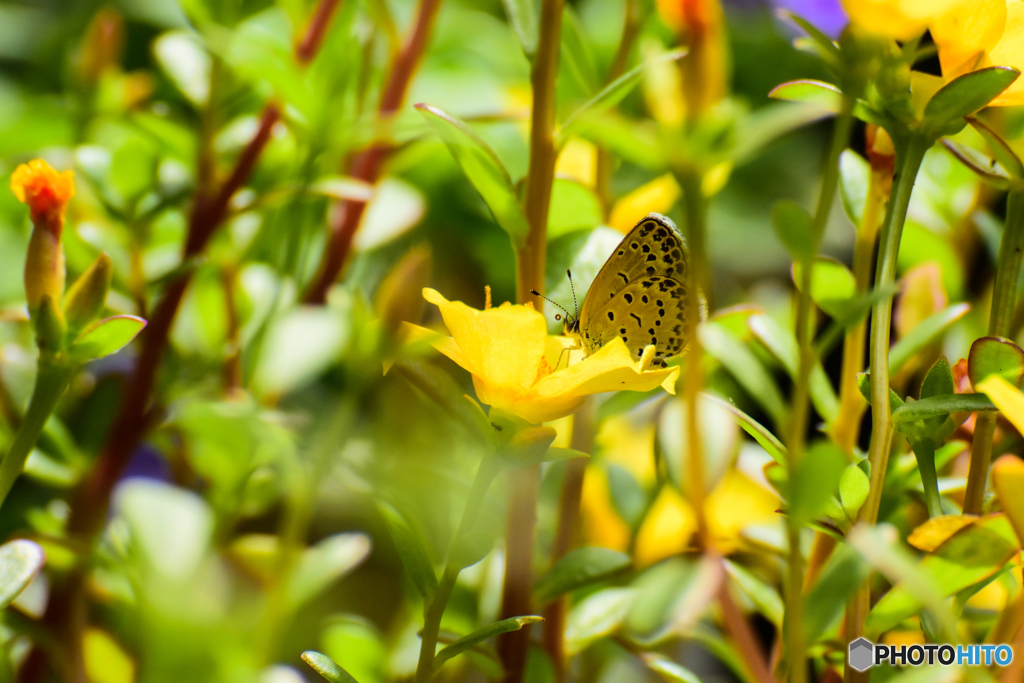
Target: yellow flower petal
pixel 667 528
pixel 899 19
pixel 601 523
pixel 963 36
pixel 736 503
pixel 1009 51
pixel 518 368
pixel 658 195
pixel 578 160
pixel 502 347
pixel 1007 398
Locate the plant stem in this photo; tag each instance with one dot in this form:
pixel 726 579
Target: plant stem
pixel 742 634
pixel 568 519
pixel 924 452
pixel 541 172
pixel 846 428
pixel 795 642
pixel 909 155
pixel 530 259
pixel 367 164
pixel 631 21
pixel 695 208
pixel 1004 293
pixel 51 380
pixel 433 611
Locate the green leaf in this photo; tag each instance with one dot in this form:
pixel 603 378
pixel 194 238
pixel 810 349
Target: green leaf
pixel 826 96
pixel 793 226
pixel 825 46
pixel 815 481
pixel 524 15
pixel 832 285
pixel 941 405
pixel 944 114
pixel 755 429
pixel 854 178
pixel 967 557
pixel 764 596
pixel 20 562
pixel 170 528
pixel 669 670
pixel 995 356
pixel 864 385
pixel 483 169
pixel 825 602
pixel 580 567
pixel 477 637
pixel 853 489
pixel 939 380
pixel 988 169
pixel 412 550
pixel 321 565
pixel 922 336
pixel 596 616
pixel 470 548
pixel 783 346
pixel 326 667
pixel 532 445
pixel 575 59
pixel 574 206
pixel 1003 153
pixel 745 367
pixel 628 495
pixel 610 95
pixel 105 337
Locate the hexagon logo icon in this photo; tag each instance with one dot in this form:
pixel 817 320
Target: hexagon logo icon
pixel 861 654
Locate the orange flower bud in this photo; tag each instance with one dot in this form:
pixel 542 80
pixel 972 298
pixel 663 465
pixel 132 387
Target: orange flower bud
pixel 46 192
pixel 705 67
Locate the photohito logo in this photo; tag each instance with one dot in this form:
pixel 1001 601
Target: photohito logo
pixel 863 654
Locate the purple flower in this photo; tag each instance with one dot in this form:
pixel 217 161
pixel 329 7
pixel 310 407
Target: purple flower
pixel 827 15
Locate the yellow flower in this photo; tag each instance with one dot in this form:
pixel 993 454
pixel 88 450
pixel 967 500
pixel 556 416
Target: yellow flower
pixel 899 19
pixel 45 191
pixel 519 368
pixel 983 33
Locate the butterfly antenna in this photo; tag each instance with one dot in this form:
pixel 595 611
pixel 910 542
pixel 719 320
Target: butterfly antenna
pixel 573 288
pixel 536 293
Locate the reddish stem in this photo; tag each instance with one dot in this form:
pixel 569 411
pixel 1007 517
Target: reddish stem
pixel 308 47
pixel 367 164
pixel 130 425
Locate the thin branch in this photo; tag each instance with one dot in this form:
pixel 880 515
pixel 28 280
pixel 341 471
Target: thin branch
pixel 367 164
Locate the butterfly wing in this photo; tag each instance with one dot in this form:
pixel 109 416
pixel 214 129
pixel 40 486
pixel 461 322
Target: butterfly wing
pixel 651 310
pixel 638 294
pixel 653 247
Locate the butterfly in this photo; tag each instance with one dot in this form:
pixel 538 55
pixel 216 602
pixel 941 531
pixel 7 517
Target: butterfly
pixel 638 295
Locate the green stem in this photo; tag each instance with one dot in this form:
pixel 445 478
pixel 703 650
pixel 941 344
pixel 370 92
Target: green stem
pixel 434 610
pixel 1004 293
pixel 695 209
pixel 924 452
pixel 51 381
pixel 909 158
pixel 909 155
pixel 795 641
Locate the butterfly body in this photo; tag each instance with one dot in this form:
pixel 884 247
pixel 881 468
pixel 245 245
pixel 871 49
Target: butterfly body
pixel 639 294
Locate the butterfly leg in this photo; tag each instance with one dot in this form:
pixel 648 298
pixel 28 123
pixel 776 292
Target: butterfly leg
pixel 567 352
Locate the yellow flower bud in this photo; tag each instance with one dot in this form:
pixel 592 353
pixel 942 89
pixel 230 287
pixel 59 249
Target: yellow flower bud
pixel 44 269
pixel 46 192
pixel 705 68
